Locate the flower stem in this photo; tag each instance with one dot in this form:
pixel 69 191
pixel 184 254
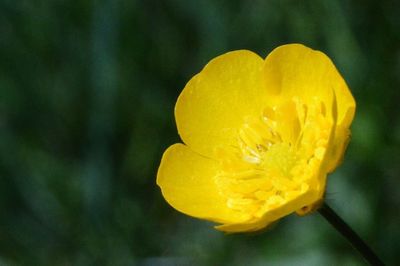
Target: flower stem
pixel 349 234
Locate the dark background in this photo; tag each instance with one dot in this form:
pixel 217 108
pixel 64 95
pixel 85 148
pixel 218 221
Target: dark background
pixel 87 91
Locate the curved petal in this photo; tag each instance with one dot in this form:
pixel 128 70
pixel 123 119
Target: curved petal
pixel 305 199
pixel 187 183
pixel 340 141
pixel 296 71
pixel 216 102
pixel 245 227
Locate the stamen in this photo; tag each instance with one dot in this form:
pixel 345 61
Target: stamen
pixel 252 159
pixel 275 158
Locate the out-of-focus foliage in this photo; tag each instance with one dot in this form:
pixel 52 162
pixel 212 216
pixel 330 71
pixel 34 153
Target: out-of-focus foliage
pixel 87 91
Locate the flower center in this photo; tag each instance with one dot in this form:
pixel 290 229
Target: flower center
pixel 276 158
pixel 279 160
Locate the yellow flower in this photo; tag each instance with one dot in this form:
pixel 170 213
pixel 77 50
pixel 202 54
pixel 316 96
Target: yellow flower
pixel 260 137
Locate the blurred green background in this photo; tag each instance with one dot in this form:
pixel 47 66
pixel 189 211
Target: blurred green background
pixel 87 92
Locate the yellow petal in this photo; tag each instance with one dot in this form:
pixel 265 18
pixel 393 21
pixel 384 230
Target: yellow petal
pixel 296 71
pixel 299 94
pixel 244 227
pixel 187 183
pixel 340 141
pixel 306 198
pixel 216 102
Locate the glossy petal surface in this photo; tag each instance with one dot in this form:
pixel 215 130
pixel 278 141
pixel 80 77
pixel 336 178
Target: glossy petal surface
pixel 261 137
pixel 215 103
pixel 295 70
pixel 187 182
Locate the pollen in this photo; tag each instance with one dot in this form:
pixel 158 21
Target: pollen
pixel 279 160
pixel 276 155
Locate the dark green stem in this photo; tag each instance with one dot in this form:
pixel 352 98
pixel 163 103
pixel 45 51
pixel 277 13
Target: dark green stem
pixel 350 235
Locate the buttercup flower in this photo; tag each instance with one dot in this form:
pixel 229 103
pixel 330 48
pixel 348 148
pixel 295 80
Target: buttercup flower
pixel 260 137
